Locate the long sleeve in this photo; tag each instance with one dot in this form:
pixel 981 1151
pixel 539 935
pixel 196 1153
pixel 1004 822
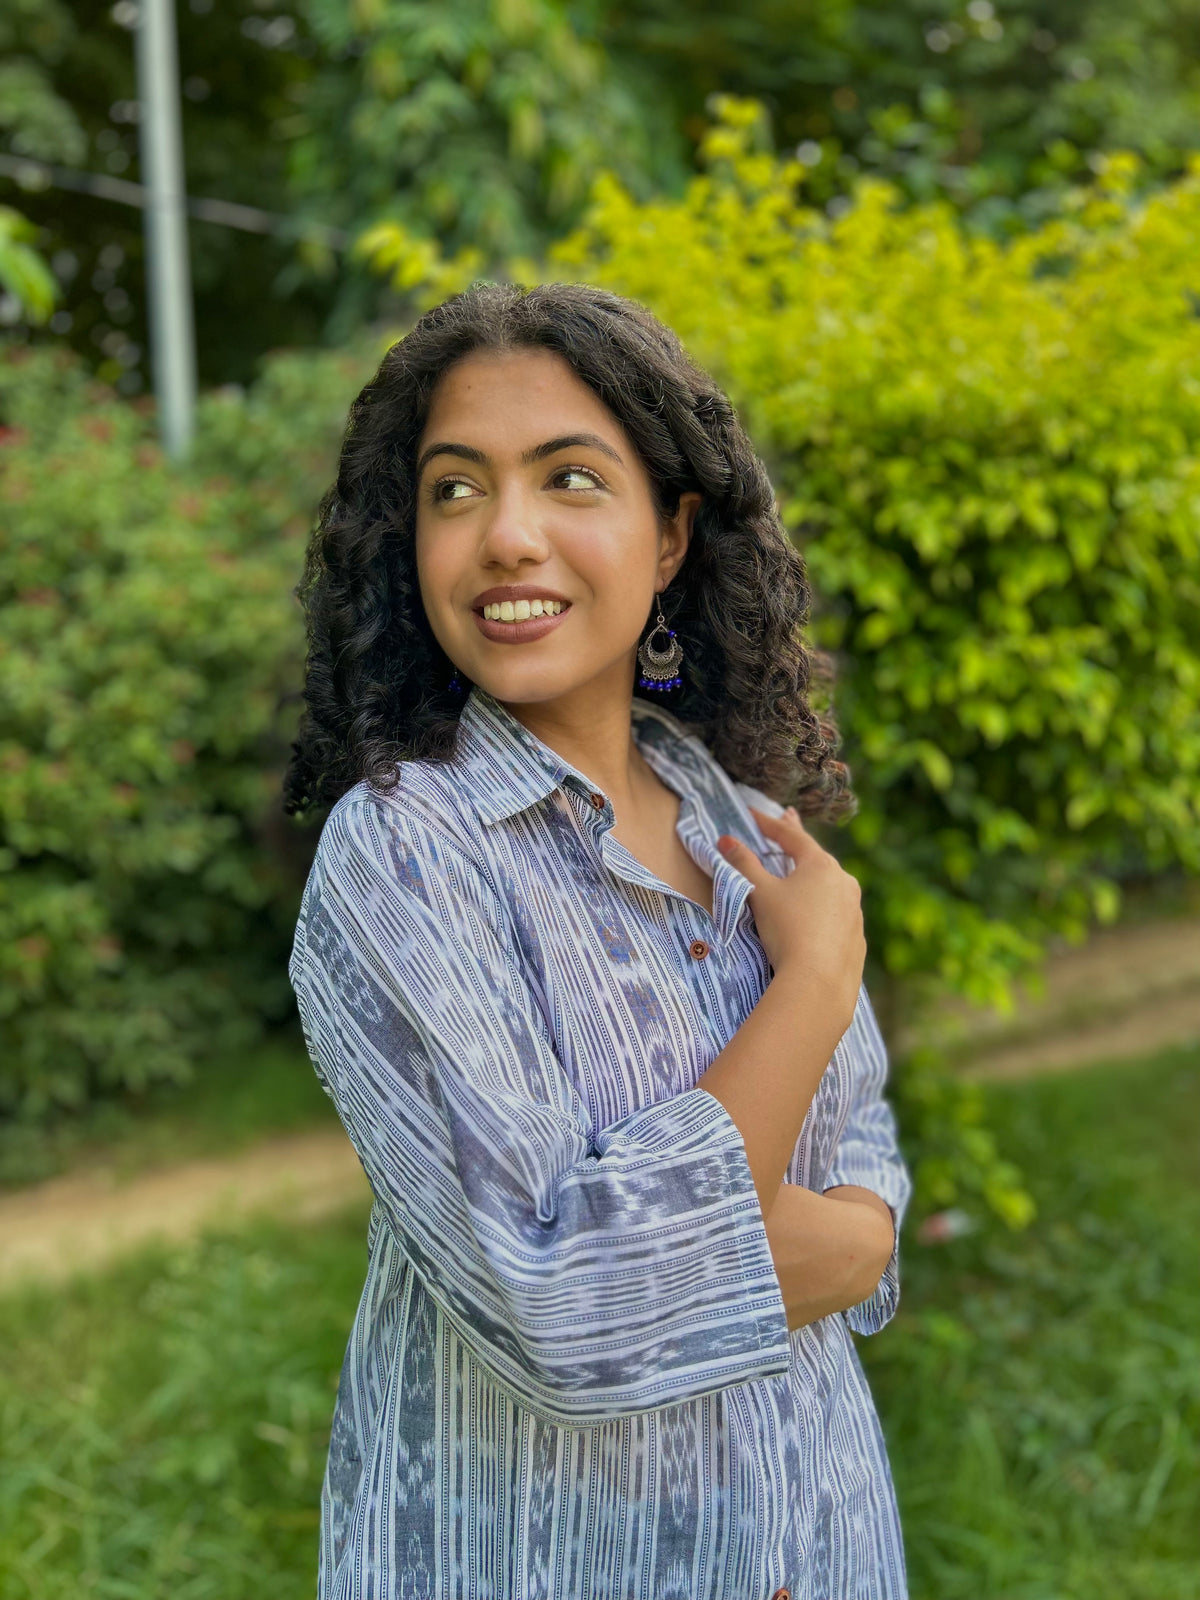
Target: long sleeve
pixel 596 1272
pixel 868 1154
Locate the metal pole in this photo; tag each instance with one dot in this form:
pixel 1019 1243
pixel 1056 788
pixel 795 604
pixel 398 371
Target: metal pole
pixel 168 277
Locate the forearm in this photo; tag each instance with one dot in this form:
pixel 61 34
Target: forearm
pixel 829 1250
pixel 768 1073
pixel 866 1197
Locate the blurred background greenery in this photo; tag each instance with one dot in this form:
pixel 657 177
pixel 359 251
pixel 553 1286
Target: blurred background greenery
pixel 944 259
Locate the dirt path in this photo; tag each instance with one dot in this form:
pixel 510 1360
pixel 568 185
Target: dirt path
pixel 80 1222
pixel 1130 991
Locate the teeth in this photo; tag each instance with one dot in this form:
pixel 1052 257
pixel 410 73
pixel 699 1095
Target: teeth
pixel 519 610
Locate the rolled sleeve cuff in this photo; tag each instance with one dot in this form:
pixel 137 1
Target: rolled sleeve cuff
pixel 695 1119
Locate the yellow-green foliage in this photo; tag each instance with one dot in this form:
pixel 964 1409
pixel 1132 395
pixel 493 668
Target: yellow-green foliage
pixel 990 455
pixel 22 271
pixel 991 458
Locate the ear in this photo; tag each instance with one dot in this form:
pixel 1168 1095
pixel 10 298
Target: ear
pixel 676 535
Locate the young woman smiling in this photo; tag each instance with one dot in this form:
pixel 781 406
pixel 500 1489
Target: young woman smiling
pixel 587 996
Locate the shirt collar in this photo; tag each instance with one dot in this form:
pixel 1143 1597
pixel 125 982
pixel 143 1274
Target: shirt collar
pixel 505 767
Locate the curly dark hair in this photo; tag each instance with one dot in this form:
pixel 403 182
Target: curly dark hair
pixel 376 688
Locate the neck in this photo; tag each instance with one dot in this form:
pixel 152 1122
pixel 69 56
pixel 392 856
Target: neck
pixel 594 732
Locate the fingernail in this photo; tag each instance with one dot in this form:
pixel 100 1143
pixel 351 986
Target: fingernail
pixel 725 844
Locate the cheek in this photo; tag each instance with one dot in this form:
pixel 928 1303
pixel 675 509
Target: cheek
pixel 616 567
pixel 436 569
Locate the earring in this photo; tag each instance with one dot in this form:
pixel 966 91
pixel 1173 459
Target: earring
pixel 660 667
pixel 454 686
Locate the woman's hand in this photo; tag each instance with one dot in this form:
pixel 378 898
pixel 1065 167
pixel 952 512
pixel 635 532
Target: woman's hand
pixel 810 920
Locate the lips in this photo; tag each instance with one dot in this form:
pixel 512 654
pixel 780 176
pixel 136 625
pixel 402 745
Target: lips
pixel 519 632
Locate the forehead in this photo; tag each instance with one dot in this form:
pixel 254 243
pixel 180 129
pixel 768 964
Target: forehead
pixel 517 394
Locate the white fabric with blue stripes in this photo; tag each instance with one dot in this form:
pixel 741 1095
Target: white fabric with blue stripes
pixel 570 1375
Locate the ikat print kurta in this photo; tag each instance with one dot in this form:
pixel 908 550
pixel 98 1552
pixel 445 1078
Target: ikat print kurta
pixel 570 1375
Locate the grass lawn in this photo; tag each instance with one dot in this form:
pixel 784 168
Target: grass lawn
pixel 163 1428
pixel 1041 1392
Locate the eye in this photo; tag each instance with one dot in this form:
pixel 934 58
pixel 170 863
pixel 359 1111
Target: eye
pixel 594 479
pixel 593 482
pixel 435 489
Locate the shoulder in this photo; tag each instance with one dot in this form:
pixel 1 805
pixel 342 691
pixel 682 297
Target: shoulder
pixel 726 797
pixel 422 829
pixel 678 744
pixel 392 873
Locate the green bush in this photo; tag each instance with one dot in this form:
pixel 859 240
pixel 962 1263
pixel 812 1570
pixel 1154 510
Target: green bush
pixel 148 639
pixel 990 455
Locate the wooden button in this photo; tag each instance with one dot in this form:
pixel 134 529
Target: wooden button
pixel 698 948
pixel 597 799
pixel 782 1594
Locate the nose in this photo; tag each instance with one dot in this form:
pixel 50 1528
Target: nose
pixel 512 529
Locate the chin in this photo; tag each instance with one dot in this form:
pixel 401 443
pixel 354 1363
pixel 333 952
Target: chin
pixel 531 685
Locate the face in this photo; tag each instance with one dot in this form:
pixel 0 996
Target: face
pixel 526 479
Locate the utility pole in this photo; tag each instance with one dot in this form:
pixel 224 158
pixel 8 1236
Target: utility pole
pixel 168 273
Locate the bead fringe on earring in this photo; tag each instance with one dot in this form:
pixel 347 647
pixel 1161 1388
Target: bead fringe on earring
pixel 660 668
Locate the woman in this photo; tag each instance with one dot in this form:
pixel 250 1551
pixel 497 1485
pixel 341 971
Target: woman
pixel 587 998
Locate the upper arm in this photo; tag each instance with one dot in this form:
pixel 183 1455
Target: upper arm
pixel 868 1155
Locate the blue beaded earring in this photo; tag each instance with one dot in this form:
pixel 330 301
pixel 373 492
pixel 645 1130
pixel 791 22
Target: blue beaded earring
pixel 660 667
pixel 454 686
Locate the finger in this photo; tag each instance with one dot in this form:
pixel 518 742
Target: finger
pixel 787 826
pixel 743 858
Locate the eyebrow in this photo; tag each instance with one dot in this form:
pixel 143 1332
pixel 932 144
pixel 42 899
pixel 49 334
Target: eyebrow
pixel 468 452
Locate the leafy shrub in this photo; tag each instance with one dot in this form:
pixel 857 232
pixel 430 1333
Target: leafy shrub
pixel 148 639
pixel 990 455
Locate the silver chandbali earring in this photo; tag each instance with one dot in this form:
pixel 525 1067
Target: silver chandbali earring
pixel 660 668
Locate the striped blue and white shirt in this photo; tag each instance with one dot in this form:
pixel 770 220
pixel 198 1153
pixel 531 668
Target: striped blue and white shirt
pixel 570 1375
